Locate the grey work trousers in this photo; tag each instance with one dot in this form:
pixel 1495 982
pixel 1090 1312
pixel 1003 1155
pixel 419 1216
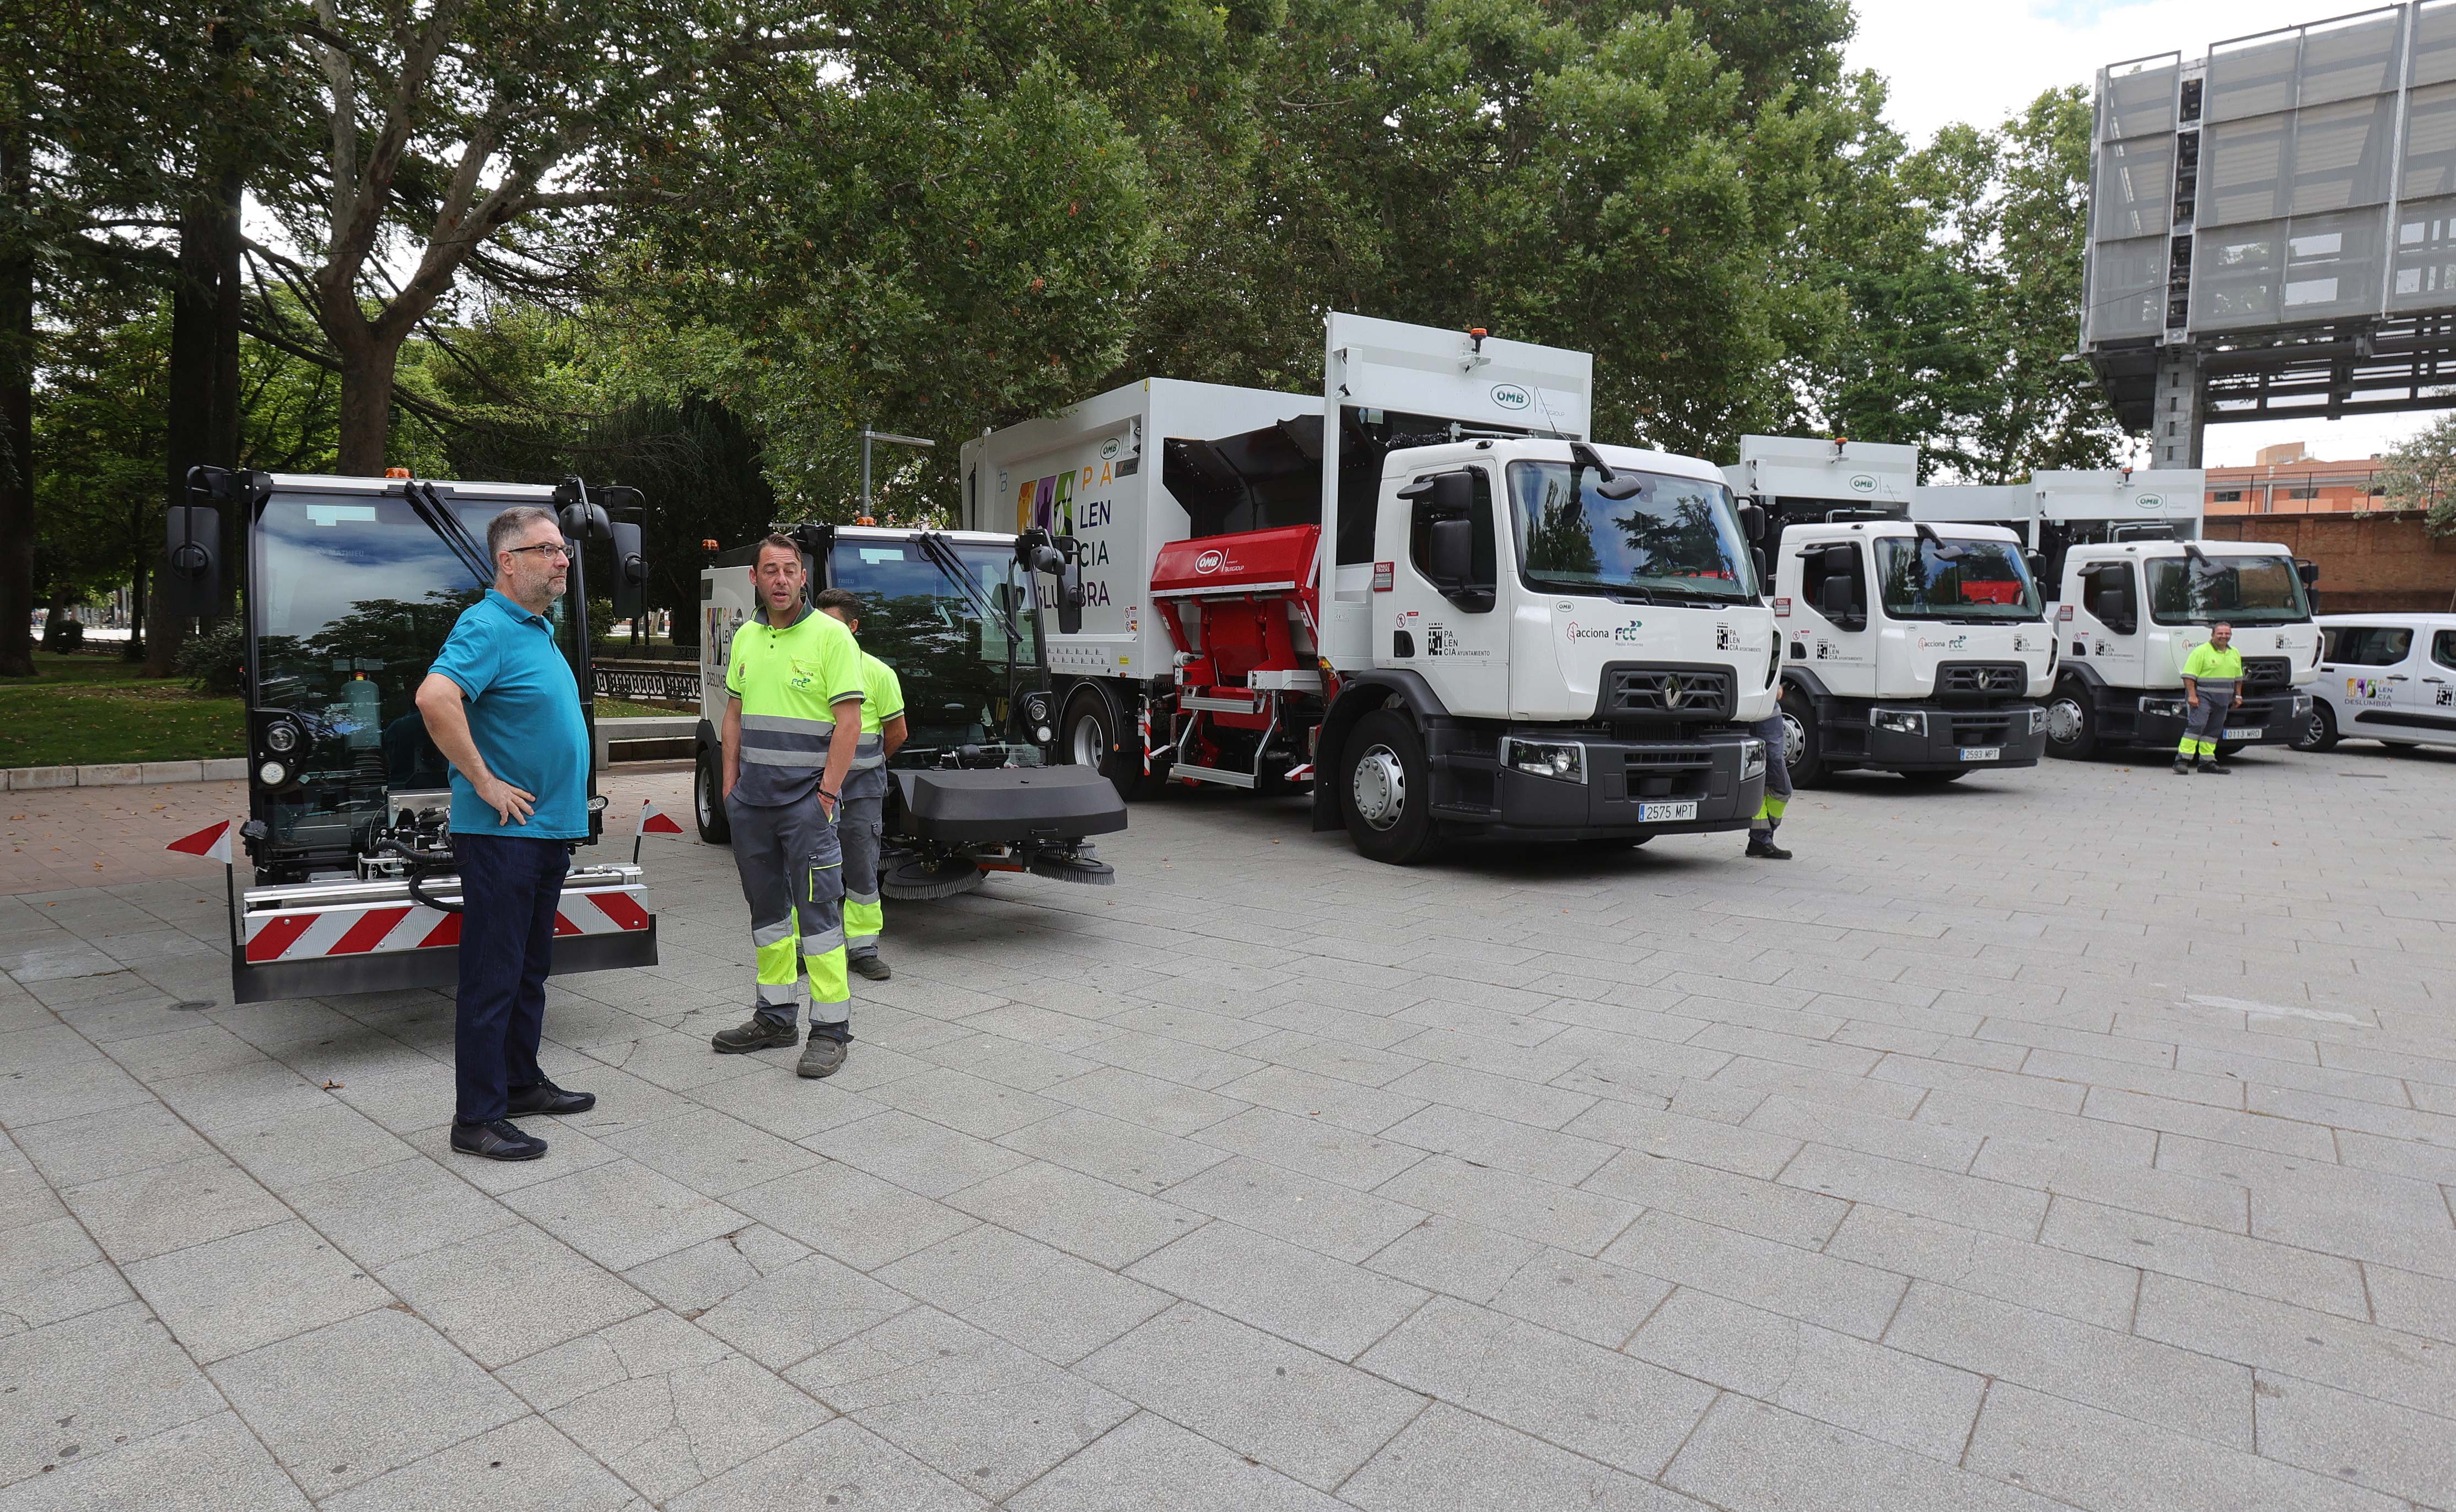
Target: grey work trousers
pixel 792 878
pixel 858 830
pixel 2205 722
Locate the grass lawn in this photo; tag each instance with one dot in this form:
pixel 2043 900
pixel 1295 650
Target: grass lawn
pixel 80 710
pixel 84 710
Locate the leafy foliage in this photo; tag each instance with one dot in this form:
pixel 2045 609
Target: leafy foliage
pixel 2420 473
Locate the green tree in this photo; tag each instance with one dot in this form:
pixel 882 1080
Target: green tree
pixel 2420 473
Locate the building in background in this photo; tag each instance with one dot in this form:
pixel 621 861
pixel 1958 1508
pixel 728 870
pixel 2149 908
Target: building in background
pixel 2287 480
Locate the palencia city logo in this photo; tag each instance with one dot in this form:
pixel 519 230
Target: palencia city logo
pixel 1606 632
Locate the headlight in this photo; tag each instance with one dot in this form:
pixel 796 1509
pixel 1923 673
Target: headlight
pixel 1042 733
pixel 1036 709
pixel 280 739
pixel 1900 721
pixel 2037 722
pixel 1752 758
pixel 2301 705
pixel 2163 708
pixel 272 774
pixel 1565 759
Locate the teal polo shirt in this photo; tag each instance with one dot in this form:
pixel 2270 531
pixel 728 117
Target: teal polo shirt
pixel 524 707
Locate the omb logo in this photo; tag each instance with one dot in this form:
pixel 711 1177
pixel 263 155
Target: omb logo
pixel 2151 502
pixel 1863 484
pixel 1210 561
pixel 1510 397
pixel 1109 450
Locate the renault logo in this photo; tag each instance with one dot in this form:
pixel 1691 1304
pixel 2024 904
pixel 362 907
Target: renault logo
pixel 1675 691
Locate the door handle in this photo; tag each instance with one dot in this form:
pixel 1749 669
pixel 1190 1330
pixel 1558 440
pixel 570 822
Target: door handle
pixel 2397 677
pixel 2434 680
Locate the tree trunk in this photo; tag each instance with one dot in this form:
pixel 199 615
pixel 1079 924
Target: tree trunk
pixel 16 414
pixel 222 429
pixel 187 436
pixel 367 366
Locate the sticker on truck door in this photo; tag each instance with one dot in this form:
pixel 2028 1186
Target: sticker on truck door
pixel 2368 690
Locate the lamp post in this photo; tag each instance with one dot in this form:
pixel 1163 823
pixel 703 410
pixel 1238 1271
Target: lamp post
pixel 868 436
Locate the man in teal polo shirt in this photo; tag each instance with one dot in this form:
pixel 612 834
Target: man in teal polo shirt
pixel 501 704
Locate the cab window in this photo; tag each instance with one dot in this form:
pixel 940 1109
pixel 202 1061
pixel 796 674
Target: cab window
pixel 1479 515
pixel 1815 567
pixel 2116 576
pixel 2366 644
pixel 2442 649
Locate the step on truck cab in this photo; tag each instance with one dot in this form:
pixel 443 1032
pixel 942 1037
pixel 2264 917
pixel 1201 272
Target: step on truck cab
pixel 1905 647
pixel 354 583
pixel 1424 594
pixel 956 617
pixel 2131 613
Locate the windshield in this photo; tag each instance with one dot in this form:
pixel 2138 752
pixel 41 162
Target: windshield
pixel 2246 590
pixel 1675 537
pixel 351 596
pixel 1987 579
pixel 960 672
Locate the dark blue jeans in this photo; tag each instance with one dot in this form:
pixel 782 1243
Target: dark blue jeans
pixel 509 886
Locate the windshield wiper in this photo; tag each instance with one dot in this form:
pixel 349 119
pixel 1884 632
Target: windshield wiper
pixel 943 557
pixel 430 509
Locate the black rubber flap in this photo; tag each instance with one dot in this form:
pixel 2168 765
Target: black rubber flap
pixel 1010 803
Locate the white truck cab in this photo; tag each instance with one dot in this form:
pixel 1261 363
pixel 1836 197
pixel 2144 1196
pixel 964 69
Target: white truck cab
pixel 2385 677
pixel 1909 647
pixel 2131 613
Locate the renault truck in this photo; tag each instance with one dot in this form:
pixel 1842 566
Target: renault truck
pixel 1426 596
pixel 1907 647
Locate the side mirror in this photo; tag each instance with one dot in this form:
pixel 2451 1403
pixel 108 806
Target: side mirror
pixel 1061 566
pixel 1453 493
pixel 2113 607
pixel 1840 559
pixel 1837 598
pixel 2038 561
pixel 1450 547
pixel 190 584
pixel 1752 521
pixel 2308 571
pixel 1765 574
pixel 630 572
pixel 586 523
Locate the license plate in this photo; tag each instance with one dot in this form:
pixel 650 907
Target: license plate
pixel 2244 734
pixel 1982 754
pixel 1665 813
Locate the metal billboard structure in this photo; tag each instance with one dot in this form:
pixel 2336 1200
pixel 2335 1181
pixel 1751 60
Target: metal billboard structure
pixel 2272 228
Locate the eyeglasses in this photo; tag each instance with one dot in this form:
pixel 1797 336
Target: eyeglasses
pixel 562 552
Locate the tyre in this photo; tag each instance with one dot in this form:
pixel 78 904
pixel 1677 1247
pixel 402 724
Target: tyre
pixel 708 803
pixel 1088 735
pixel 2319 731
pixel 1386 789
pixel 1935 779
pixel 2072 721
pixel 1803 751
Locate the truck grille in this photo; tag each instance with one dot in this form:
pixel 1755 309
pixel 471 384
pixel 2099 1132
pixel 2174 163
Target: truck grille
pixel 2003 679
pixel 1669 692
pixel 1981 729
pixel 1669 774
pixel 2266 674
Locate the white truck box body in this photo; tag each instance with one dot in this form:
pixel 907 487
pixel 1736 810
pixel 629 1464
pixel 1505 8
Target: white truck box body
pixel 1865 474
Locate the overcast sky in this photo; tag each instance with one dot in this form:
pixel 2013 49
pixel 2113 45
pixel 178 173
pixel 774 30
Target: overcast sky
pixel 1982 60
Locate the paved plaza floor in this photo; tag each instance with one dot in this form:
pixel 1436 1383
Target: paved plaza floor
pixel 2076 1137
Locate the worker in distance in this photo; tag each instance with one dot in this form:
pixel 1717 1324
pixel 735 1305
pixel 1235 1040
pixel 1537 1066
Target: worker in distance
pixel 861 823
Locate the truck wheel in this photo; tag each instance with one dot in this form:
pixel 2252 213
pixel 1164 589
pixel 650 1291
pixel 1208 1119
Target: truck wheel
pixel 1088 736
pixel 2319 731
pixel 2071 725
pixel 1386 789
pixel 1802 751
pixel 708 805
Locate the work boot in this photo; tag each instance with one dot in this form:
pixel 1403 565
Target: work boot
pixel 869 966
pixel 2217 768
pixel 758 1034
pixel 1761 846
pixel 2183 765
pixel 822 1056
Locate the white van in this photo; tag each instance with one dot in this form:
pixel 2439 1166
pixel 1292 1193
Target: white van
pixel 2384 677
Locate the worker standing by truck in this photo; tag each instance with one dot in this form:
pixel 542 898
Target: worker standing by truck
pixel 792 721
pixel 2212 687
pixel 862 822
pixel 1777 790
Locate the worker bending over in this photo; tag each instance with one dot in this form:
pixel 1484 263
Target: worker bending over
pixel 791 726
pixel 2212 690
pixel 862 818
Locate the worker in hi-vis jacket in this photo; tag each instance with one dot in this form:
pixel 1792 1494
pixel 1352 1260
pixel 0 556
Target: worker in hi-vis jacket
pixel 861 822
pixel 2212 690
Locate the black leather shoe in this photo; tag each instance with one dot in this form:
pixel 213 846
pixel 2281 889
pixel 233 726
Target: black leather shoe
pixel 545 1096
pixel 499 1140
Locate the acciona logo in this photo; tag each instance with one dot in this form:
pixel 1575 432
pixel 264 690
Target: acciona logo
pixel 1210 561
pixel 1510 397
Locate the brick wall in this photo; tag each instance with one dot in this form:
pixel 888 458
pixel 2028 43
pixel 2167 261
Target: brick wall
pixel 2384 561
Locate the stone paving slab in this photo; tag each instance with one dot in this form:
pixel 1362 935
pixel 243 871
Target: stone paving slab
pixel 2079 1137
